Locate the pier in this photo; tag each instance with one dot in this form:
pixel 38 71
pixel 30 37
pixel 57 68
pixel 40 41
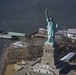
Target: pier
pixel 5 36
pixel 11 35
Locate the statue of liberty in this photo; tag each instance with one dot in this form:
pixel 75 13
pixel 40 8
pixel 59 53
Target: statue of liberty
pixel 51 27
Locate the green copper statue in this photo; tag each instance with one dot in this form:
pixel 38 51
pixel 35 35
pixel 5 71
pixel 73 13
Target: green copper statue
pixel 51 27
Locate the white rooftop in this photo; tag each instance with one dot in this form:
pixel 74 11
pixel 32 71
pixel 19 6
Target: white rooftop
pixel 42 68
pixel 68 56
pixel 72 31
pixel 41 28
pixel 20 44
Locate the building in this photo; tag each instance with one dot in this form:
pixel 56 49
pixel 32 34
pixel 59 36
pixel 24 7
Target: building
pixel 40 68
pixel 71 33
pixel 42 32
pixel 16 34
pixel 20 44
pixel 68 57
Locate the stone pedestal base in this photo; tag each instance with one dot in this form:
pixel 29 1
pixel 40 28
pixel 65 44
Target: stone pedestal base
pixel 48 55
pixel 50 44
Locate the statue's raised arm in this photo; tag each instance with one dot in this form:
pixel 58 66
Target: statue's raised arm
pixel 46 14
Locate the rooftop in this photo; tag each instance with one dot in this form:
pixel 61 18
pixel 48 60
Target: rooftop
pixel 68 56
pixel 20 44
pixel 16 34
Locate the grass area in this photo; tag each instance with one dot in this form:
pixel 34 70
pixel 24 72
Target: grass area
pixel 10 70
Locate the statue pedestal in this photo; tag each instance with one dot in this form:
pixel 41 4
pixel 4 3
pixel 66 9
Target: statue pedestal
pixel 51 44
pixel 48 55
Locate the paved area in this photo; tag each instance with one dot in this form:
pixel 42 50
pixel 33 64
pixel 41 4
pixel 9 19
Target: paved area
pixel 10 70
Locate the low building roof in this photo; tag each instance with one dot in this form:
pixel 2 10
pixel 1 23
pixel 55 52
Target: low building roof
pixel 68 56
pixel 16 34
pixel 20 44
pixel 72 31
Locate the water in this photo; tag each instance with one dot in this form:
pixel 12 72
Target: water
pixel 28 15
pixel 4 44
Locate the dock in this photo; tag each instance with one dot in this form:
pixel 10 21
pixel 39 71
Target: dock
pixel 16 34
pixel 11 35
pixel 5 36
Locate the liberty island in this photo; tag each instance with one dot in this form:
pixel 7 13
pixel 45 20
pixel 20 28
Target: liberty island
pixel 36 54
